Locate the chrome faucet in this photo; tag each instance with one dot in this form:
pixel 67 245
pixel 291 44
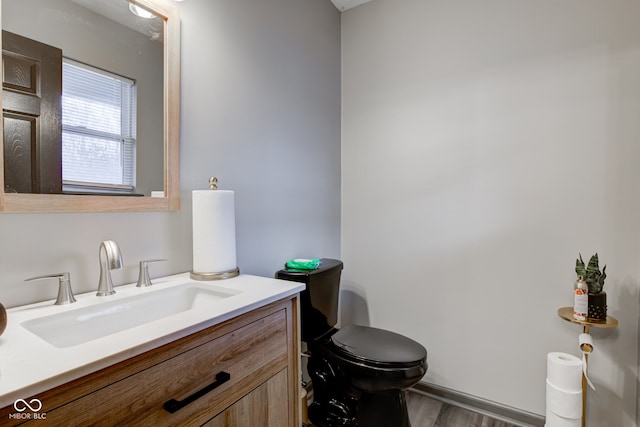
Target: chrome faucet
pixel 111 260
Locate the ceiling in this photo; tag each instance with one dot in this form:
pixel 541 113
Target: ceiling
pixel 343 5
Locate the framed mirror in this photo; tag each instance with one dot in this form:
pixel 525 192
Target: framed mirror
pixel 106 38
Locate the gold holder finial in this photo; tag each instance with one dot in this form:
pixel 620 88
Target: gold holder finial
pixel 213 183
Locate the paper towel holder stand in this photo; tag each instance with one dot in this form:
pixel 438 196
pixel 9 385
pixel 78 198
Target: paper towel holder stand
pixel 566 313
pixel 213 185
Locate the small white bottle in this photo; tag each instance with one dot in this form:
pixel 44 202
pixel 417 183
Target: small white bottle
pixel 580 299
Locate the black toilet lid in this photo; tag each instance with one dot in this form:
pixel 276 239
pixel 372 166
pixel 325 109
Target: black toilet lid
pixel 378 346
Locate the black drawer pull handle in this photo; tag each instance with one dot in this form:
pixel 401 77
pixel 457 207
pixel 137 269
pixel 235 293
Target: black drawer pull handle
pixel 174 405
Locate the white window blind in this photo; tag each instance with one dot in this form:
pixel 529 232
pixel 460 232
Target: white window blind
pixel 98 129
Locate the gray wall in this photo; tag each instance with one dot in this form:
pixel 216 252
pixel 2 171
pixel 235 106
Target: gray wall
pixel 261 111
pixel 485 144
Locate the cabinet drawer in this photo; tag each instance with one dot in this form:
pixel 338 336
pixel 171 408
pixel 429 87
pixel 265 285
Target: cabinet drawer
pixel 263 407
pixel 250 355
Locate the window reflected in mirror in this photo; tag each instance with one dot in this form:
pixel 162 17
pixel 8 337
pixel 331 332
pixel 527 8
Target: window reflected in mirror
pixel 99 117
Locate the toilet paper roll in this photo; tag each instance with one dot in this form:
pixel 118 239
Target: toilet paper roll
pixel 585 342
pixel 566 404
pixel 586 345
pixel 553 420
pixel 214 231
pixel 564 371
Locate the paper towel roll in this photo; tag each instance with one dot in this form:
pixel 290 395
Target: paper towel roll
pixel 564 371
pixel 214 231
pixel 566 404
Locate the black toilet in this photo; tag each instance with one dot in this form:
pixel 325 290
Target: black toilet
pixel 358 373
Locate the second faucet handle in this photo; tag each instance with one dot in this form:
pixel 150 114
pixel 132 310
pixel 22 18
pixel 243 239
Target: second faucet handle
pixel 143 275
pixel 65 294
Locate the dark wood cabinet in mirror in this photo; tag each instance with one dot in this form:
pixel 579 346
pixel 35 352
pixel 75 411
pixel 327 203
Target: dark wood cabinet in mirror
pixel 25 163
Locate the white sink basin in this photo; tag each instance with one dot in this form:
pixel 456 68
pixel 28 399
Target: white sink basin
pixel 85 324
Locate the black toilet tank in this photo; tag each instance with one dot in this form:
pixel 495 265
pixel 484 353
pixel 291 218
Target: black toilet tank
pixel 319 301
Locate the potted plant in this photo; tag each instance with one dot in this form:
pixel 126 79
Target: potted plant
pixel 597 311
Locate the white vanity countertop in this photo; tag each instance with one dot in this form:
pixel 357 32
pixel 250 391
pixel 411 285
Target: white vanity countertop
pixel 30 365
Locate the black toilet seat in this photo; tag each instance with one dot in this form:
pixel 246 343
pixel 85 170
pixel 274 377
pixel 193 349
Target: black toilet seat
pixel 378 347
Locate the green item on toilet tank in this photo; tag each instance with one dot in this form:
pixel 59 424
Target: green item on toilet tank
pixel 302 264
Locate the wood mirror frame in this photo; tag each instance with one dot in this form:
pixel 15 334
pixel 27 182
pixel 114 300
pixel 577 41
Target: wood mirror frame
pixel 23 202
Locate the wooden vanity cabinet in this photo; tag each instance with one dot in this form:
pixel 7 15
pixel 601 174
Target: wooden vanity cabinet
pixel 241 373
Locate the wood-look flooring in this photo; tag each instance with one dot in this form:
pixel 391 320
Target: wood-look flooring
pixel 427 412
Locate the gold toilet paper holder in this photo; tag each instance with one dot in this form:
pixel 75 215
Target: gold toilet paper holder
pixel 566 313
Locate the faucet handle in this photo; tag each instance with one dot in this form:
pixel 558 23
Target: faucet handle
pixel 65 294
pixel 143 275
